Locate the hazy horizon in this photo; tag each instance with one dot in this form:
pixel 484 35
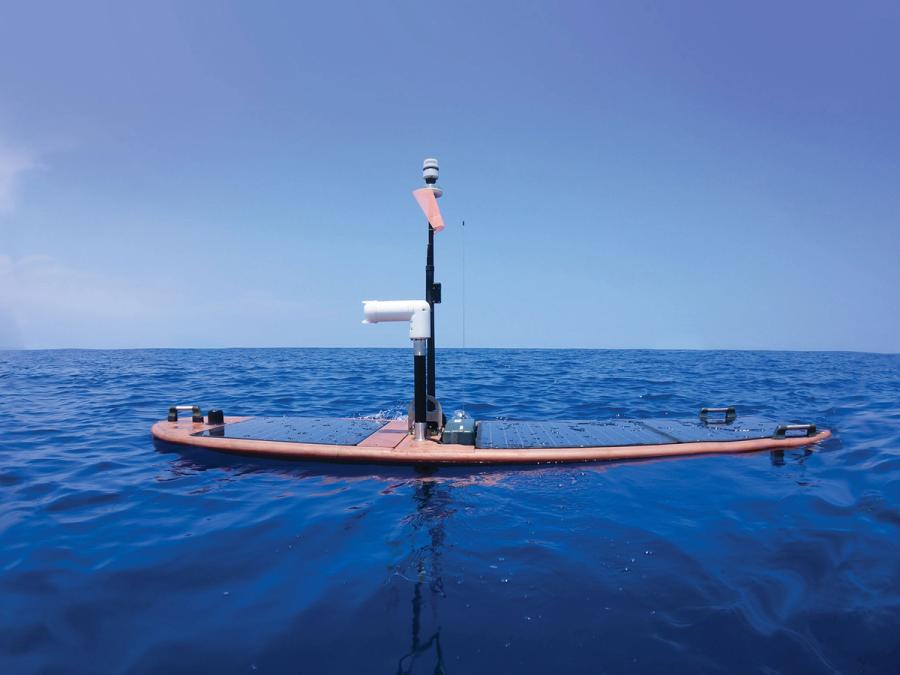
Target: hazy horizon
pixel 472 348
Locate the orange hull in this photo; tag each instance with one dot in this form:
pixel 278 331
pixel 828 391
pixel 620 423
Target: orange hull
pixel 392 444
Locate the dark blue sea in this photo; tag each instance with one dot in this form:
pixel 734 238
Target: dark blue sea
pixel 120 555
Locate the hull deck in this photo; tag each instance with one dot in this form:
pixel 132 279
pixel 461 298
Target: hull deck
pixel 497 442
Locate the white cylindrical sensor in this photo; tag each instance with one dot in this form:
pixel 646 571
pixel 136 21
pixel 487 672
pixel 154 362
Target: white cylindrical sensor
pixel 430 170
pixel 417 312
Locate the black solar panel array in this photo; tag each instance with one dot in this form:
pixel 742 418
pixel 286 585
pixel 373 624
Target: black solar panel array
pixel 320 430
pixel 565 434
pixel 504 434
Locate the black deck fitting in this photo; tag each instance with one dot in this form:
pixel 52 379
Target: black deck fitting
pixel 784 430
pixel 729 412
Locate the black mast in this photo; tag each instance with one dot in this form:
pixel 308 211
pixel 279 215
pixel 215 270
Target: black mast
pixel 429 297
pixel 432 290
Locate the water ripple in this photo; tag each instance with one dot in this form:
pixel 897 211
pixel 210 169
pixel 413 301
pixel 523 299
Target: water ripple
pixel 121 555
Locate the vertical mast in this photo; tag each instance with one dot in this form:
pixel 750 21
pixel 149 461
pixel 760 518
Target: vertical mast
pixel 429 298
pixel 432 290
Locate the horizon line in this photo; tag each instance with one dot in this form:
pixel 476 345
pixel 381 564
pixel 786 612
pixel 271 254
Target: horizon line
pixel 457 348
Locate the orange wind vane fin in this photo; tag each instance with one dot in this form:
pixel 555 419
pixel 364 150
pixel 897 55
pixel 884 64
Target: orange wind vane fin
pixel 428 204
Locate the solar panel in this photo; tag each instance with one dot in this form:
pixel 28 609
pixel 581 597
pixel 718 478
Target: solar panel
pixel 508 434
pixel 319 430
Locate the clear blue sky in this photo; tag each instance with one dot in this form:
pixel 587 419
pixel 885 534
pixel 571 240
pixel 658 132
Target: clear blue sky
pixel 632 174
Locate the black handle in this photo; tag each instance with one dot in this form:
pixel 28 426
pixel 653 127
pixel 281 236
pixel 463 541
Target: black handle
pixel 783 430
pixel 729 412
pixel 196 413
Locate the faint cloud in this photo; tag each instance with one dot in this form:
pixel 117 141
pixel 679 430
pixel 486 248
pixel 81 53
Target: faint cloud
pixel 258 303
pixel 13 163
pixel 42 284
pixel 45 303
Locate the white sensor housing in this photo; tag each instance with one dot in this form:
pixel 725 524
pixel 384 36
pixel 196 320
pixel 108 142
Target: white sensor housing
pixel 430 170
pixel 417 312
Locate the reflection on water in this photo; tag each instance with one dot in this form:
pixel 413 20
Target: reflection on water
pixel 432 500
pixel 796 455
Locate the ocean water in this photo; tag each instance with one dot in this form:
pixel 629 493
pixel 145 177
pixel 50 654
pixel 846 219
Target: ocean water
pixel 121 555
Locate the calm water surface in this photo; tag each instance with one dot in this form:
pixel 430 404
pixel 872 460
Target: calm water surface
pixel 119 555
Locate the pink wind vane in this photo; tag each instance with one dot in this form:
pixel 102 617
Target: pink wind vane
pixel 428 203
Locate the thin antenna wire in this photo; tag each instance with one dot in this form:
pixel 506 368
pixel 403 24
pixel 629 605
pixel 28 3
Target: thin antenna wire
pixel 464 284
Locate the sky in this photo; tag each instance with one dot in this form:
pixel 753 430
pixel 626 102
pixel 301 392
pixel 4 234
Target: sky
pixel 689 175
